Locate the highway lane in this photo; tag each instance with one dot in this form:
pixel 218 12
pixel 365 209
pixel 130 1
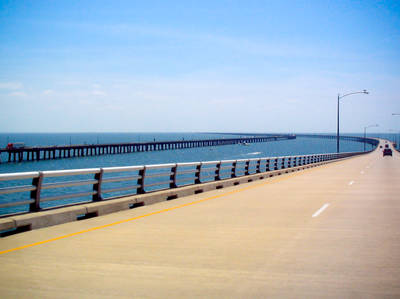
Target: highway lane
pixel 254 240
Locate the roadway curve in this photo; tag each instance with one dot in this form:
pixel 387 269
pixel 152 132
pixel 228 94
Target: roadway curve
pixel 253 240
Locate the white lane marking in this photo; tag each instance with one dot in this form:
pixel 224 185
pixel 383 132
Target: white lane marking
pixel 320 210
pixel 351 183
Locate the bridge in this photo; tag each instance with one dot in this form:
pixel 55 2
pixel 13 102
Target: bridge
pixel 330 230
pixel 37 153
pixel 371 141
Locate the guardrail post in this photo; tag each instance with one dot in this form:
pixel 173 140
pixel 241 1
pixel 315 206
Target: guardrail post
pixel 197 174
pixel 172 177
pixel 233 170
pixel 258 166
pixel 35 194
pixel 267 165
pixel 276 164
pixel 97 186
pixel 283 163
pixel 246 167
pixel 217 176
pixel 140 182
pixel 289 162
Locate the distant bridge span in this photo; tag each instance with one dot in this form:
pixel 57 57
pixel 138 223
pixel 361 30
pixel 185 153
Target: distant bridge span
pixel 80 150
pixel 372 141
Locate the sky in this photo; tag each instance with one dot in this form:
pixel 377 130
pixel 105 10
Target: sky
pixel 196 66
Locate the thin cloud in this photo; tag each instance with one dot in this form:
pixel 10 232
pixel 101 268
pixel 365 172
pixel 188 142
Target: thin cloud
pixel 48 92
pixel 98 93
pixel 257 47
pixel 17 94
pixel 11 85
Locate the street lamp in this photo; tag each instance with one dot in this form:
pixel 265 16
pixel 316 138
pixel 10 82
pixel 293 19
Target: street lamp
pixel 338 101
pixel 397 114
pixel 393 137
pixel 365 132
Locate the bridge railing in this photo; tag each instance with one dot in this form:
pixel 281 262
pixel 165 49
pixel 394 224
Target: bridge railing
pixel 41 190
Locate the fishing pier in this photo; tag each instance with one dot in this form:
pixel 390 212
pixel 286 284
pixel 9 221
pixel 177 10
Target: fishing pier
pixel 38 153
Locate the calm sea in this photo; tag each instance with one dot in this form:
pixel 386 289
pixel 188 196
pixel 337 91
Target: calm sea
pixel 280 148
pixel 299 146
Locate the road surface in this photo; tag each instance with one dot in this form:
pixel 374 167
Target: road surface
pixel 327 232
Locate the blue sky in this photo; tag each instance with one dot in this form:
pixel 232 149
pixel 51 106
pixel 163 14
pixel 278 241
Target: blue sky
pixel 249 66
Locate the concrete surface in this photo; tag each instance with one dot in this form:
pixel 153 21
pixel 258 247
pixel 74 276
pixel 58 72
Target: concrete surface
pixel 326 232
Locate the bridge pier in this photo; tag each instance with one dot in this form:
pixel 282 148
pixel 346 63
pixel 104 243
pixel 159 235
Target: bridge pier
pixel 57 152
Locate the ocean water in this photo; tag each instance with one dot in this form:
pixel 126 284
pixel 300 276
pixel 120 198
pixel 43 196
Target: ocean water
pixel 299 146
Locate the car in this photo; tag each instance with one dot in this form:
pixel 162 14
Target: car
pixel 387 152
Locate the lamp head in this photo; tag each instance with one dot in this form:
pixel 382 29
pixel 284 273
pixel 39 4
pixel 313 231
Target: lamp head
pixel 365 91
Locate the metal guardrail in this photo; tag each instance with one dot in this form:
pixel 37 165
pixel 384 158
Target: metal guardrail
pixel 95 184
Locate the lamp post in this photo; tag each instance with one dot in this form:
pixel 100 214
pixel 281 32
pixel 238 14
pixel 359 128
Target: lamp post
pixel 396 138
pixel 365 132
pixel 397 114
pixel 338 101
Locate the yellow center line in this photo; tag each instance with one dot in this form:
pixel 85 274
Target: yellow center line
pixel 275 180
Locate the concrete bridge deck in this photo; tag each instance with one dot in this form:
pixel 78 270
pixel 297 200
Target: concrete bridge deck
pixel 326 232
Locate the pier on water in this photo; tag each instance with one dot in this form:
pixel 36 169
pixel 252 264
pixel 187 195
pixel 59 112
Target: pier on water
pixel 37 153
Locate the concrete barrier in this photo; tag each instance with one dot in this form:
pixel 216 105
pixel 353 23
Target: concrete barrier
pixel 49 217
